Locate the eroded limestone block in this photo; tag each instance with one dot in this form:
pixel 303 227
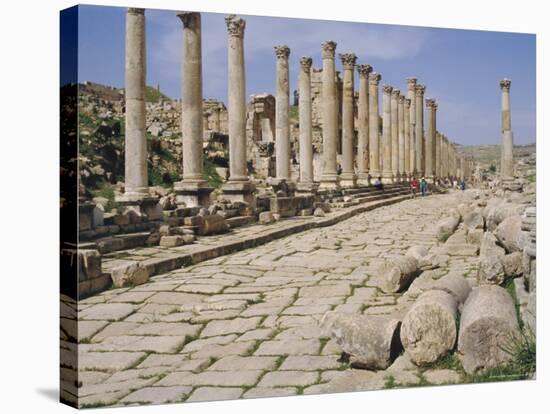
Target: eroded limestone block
pixel 397 273
pixel 491 271
pixel 446 227
pixel 129 275
pixel 474 220
pixel 513 264
pixel 489 247
pixel 319 212
pixel 510 235
pixel 487 325
pixel 429 331
pixel 89 264
pixel 213 224
pixel 498 213
pixel 372 341
pixel 455 285
pixel 266 217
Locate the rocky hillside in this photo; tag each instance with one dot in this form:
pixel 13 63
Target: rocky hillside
pixel 101 140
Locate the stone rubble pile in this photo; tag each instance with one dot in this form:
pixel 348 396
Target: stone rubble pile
pixel 476 319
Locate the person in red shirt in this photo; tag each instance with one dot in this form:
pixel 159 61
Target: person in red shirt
pixel 414 186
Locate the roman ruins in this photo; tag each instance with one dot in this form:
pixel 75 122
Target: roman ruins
pixel 295 273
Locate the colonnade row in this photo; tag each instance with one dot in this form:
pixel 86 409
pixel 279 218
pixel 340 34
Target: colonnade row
pixel 407 146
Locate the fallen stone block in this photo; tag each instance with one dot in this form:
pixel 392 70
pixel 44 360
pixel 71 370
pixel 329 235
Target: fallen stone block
pixel 212 224
pixel 89 264
pixel 491 271
pixel 513 264
pixel 153 239
pixel 372 341
pixel 474 220
pixel 171 241
pixel 487 325
pixel 446 227
pixel 489 247
pixel 429 331
pixel 510 235
pixel 266 217
pixel 129 275
pixel 319 212
pixel 397 273
pixel 498 213
pixel 455 285
pixel 474 236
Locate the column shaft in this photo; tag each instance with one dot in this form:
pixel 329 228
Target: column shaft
pixel 401 131
pixel 395 134
pixel 282 126
pixel 430 139
pixel 363 125
pixel 347 179
pixel 419 129
pixel 407 132
pixel 304 106
pixel 374 148
pixel 386 134
pixel 329 178
pixel 507 158
pixel 135 147
pixel 411 95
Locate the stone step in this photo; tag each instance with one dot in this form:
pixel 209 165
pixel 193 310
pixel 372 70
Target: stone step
pixel 196 253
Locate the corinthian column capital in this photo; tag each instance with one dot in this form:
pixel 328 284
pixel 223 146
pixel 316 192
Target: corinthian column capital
pixel 328 49
pixel 282 51
pixel 235 25
pixel 348 60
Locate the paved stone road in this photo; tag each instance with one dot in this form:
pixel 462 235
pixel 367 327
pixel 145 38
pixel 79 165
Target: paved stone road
pixel 246 325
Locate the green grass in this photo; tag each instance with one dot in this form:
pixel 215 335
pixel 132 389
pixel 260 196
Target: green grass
pixel 153 95
pixel 107 191
pixel 210 174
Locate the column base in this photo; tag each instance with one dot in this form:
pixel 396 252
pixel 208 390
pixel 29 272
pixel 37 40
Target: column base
pixel 387 178
pixel 145 205
pixel 306 188
pixel 363 179
pixel 240 191
pixel 348 180
pixel 193 193
pixel 329 182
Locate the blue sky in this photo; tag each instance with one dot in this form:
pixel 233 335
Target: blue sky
pixel 461 68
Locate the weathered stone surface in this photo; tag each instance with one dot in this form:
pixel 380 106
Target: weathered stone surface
pixel 266 217
pixel 288 379
pixel 319 212
pixel 171 241
pixel 488 246
pixel 491 270
pixel 513 264
pixel 442 376
pixel 108 361
pixel 510 235
pixel 373 341
pixel 397 273
pixel 495 214
pixel 107 311
pixel 158 395
pixel 129 275
pixel 475 236
pixel 89 264
pixel 428 331
pixel 474 220
pixel 487 324
pixel 446 226
pixel 215 394
pixel 455 285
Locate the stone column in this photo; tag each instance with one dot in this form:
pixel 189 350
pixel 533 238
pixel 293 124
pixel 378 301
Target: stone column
pixel 507 157
pixel 429 167
pixel 238 187
pixel 419 129
pixel 135 146
pixel 329 178
pixel 282 125
pixel 437 154
pixel 363 125
pixel 387 176
pixel 408 136
pixel 304 106
pixel 348 178
pixel 401 134
pixel 374 147
pixel 395 134
pixel 411 94
pixel 193 190
pixel 444 157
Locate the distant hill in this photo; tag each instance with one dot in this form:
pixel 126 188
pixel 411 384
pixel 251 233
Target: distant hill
pixel 111 93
